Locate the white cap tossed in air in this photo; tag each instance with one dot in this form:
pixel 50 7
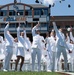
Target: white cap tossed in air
pixel 68 29
pixel 52 30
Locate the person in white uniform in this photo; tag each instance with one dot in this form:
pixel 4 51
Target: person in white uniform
pixel 27 52
pixel 61 46
pixel 9 40
pixel 43 51
pixel 51 48
pixel 71 45
pixel 1 51
pixel 20 49
pixel 36 47
pixel 71 35
pixel 1 44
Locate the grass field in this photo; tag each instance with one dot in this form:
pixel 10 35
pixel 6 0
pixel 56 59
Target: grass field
pixel 29 73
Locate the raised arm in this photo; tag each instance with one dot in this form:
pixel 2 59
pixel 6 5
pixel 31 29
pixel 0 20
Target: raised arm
pixel 24 32
pixel 34 28
pixel 67 38
pixel 6 28
pixel 55 27
pixel 71 36
pixel 18 31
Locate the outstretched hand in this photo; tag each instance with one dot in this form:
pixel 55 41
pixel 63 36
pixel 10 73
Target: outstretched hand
pixel 38 23
pixel 8 22
pixel 71 29
pixel 52 18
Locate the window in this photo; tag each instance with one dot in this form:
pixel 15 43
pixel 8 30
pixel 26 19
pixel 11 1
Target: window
pixel 10 13
pixel 35 19
pixel 26 12
pixel 12 25
pixel 51 26
pixel 22 24
pixel 1 13
pixel 37 12
pixel 3 25
pixel 10 19
pixel 16 25
pixel 4 13
pixel 29 25
pixel 20 11
pixel 30 12
pixel 43 25
pixel 14 13
pixel 43 12
pixel 58 27
pixel 67 26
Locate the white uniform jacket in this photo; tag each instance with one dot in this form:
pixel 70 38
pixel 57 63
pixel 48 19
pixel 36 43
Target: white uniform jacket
pixel 21 40
pixel 37 42
pixel 9 40
pixel 51 43
pixel 34 30
pixel 60 37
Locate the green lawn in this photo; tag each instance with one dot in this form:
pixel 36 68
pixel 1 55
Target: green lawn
pixel 28 73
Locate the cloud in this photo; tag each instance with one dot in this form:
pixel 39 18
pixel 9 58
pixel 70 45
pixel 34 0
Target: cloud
pixel 47 2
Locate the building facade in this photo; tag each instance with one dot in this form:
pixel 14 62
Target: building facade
pixel 21 12
pixel 31 13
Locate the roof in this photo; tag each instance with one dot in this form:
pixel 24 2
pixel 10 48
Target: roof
pixel 38 6
pixel 32 5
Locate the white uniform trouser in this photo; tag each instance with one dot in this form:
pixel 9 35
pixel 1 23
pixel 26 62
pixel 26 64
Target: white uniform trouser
pixel 61 49
pixel 51 65
pixel 8 56
pixel 37 52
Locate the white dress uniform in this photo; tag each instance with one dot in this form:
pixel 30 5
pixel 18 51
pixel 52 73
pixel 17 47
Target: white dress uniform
pixel 43 48
pixel 36 47
pixel 51 47
pixel 61 46
pixel 1 44
pixel 15 44
pixel 43 51
pixel 9 47
pixel 21 44
pixel 72 48
pixel 2 50
pixel 28 45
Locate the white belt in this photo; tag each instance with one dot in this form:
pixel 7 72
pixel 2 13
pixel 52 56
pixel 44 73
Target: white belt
pixel 10 46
